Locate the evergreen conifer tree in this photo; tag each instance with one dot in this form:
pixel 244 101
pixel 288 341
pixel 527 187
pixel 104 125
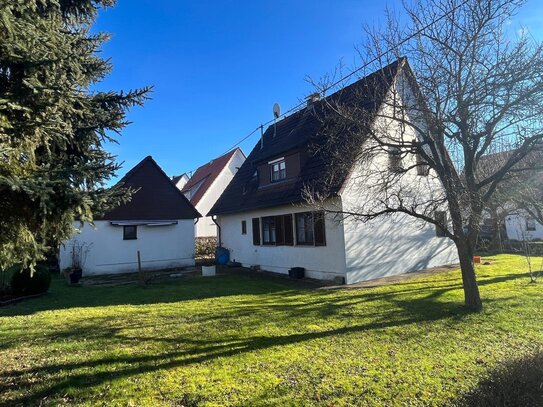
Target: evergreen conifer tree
pixel 53 127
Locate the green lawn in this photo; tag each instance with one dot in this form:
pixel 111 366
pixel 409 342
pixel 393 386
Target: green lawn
pixel 233 340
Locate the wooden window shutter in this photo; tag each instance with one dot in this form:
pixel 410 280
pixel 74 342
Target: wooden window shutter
pixel 256 231
pixel 279 231
pixel 288 232
pixel 441 218
pixel 320 233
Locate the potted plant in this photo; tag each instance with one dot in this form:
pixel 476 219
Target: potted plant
pixel 209 268
pixel 80 252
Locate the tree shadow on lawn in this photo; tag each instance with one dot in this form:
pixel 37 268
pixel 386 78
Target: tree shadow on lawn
pixel 62 296
pixel 38 382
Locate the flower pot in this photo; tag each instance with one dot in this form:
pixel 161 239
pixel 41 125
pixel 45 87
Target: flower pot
pixel 208 271
pixel 73 275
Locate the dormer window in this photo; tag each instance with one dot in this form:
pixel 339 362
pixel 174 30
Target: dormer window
pixel 278 169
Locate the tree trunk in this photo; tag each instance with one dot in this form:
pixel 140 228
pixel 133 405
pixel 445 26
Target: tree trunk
pixel 472 297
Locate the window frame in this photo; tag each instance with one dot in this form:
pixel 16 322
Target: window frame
pixel 529 222
pixel 268 222
pixel 441 217
pixel 423 169
pixel 243 227
pixel 282 172
pixel 130 236
pixel 318 228
pixel 395 161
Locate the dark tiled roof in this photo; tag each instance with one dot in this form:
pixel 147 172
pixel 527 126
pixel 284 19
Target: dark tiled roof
pixel 206 174
pixel 301 132
pixel 157 197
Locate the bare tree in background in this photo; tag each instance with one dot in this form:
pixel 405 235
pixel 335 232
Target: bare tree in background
pixel 478 90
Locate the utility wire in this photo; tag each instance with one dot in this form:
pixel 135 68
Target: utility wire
pixel 352 73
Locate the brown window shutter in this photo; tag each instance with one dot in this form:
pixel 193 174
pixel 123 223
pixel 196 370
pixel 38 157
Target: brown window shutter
pixel 279 231
pixel 320 233
pixel 441 217
pixel 288 232
pixel 256 231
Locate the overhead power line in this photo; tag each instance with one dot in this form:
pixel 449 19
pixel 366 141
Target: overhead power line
pixel 352 73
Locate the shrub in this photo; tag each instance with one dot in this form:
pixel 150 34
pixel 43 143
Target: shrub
pixel 516 383
pixel 205 247
pixel 24 282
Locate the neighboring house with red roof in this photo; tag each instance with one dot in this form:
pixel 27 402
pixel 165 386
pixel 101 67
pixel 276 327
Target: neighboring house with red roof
pixel 265 220
pixel 207 184
pixel 158 222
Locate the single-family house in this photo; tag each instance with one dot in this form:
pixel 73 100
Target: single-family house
pixel 157 223
pixel 207 184
pixel 265 221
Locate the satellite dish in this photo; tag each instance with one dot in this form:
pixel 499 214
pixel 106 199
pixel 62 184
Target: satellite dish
pixel 276 110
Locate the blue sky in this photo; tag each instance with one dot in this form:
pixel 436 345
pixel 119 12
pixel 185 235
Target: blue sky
pixel 218 67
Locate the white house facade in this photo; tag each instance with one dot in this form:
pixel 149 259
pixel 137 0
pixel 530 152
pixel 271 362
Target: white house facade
pixel 264 221
pixel 154 230
pixel 112 247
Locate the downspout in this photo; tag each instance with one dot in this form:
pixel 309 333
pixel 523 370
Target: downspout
pixel 219 240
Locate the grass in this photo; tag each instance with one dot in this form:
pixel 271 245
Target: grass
pixel 235 340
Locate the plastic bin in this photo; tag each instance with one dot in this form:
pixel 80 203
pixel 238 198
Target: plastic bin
pixel 296 272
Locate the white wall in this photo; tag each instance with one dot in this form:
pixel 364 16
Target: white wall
pixel 160 247
pixel 515 226
pixel 396 244
pixel 323 262
pixel 205 226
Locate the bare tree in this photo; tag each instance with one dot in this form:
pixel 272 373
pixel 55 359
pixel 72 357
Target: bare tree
pixel 468 90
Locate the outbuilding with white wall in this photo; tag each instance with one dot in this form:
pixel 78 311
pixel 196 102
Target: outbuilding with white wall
pixel 157 225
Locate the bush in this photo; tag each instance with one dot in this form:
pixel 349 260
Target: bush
pixel 516 383
pixel 24 282
pixel 205 247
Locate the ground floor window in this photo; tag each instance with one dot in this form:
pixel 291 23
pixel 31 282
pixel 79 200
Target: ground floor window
pixel 310 229
pixel 130 232
pixel 268 230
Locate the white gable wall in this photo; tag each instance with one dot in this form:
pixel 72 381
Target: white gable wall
pixel 160 247
pixel 322 262
pixel 205 226
pixel 390 245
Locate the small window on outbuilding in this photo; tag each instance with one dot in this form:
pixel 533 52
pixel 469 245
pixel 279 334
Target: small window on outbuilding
pixel 530 224
pixel 130 232
pixel 441 219
pixel 243 227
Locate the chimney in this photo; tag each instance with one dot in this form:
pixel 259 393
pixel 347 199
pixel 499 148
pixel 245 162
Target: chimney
pixel 314 97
